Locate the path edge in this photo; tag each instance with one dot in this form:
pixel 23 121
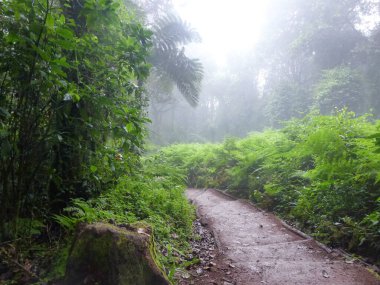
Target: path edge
pixel 372 268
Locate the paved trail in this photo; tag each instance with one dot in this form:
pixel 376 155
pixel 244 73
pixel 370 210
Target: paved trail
pixel 266 252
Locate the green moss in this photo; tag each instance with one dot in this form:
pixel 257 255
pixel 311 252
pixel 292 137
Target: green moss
pixel 58 267
pixel 111 255
pixel 155 198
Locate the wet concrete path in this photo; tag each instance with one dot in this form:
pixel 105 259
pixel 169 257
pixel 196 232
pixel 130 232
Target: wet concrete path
pixel 266 252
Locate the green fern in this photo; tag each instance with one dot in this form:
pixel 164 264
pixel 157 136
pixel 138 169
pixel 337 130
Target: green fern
pixel 318 171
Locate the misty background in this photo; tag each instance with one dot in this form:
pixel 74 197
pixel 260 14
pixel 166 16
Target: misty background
pixel 265 62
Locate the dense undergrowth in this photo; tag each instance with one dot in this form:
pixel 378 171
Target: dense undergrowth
pixel 72 130
pixel 154 195
pixel 320 172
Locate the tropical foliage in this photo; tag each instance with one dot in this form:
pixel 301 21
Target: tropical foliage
pixel 170 34
pixel 153 195
pixel 320 173
pixel 70 101
pixel 72 126
pixel 171 66
pixel 76 78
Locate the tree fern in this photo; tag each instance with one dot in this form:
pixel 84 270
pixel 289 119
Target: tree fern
pixel 170 34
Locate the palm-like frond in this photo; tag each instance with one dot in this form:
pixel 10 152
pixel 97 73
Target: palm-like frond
pixel 170 33
pixel 185 72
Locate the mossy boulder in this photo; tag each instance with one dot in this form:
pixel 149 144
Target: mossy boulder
pixel 105 254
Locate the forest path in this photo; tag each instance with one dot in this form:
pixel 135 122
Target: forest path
pixel 265 251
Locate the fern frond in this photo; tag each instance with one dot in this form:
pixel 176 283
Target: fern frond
pixel 185 72
pixel 170 31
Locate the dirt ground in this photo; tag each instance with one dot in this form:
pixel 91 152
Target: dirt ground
pixel 254 247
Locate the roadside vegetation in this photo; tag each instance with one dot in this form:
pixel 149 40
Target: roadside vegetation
pixel 154 195
pixel 72 133
pixel 81 80
pixel 321 173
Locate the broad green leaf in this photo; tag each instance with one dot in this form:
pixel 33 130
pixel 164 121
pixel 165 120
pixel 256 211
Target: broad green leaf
pixel 93 168
pixel 50 21
pixel 61 19
pixel 65 33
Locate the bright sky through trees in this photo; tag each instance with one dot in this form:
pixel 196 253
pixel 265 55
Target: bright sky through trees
pixel 224 25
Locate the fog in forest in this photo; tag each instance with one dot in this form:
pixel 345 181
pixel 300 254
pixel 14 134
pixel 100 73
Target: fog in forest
pixel 107 113
pixel 263 63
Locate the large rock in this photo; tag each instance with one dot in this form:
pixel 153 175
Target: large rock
pixel 108 255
